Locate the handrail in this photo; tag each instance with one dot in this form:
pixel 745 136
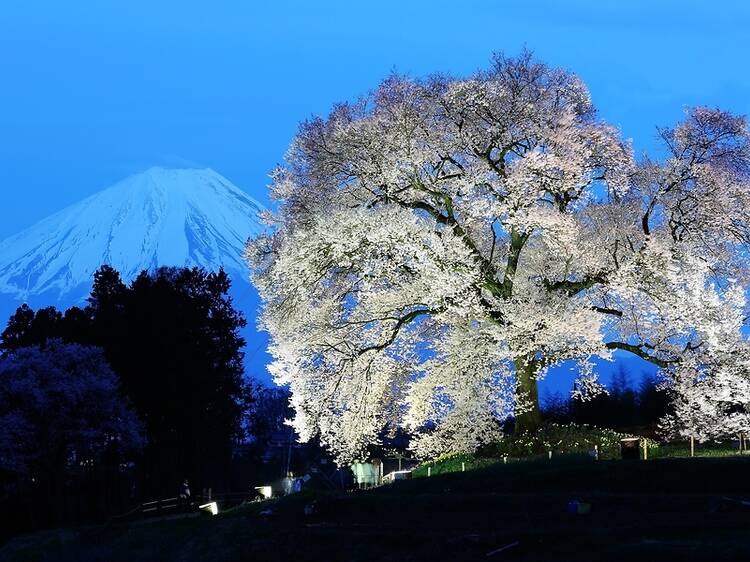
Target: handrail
pixel 174 502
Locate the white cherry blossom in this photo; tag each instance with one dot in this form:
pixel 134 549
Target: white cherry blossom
pixel 441 243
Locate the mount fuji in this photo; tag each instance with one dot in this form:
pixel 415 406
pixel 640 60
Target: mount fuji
pixel 160 217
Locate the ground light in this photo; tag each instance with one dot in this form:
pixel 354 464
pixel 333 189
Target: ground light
pixel 265 491
pixel 211 506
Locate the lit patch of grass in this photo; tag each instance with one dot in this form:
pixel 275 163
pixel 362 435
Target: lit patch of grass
pixel 452 462
pixel 682 450
pixel 561 440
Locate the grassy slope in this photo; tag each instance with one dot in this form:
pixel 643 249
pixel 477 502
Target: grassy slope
pixel 663 509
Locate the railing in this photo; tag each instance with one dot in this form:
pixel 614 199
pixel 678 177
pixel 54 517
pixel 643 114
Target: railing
pixel 191 504
pixel 159 506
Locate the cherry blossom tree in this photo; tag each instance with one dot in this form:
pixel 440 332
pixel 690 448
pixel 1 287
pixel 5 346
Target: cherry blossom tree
pixel 709 403
pixel 60 405
pixel 440 244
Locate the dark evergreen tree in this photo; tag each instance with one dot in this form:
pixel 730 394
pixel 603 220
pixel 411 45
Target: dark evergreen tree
pixel 623 400
pixel 172 337
pixel 623 407
pixel 26 328
pixel 653 402
pixel 18 333
pixel 108 290
pixel 75 326
pixel 556 408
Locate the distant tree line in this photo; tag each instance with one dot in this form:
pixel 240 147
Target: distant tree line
pixel 627 405
pixel 123 398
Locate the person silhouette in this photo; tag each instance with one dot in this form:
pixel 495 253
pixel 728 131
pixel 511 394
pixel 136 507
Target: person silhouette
pixel 185 491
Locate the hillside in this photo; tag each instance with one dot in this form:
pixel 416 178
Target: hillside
pixel 656 510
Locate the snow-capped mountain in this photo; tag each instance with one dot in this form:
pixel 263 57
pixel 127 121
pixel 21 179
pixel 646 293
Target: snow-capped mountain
pixel 160 217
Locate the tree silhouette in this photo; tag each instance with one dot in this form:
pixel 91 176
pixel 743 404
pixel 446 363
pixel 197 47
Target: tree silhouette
pixel 61 414
pixel 172 337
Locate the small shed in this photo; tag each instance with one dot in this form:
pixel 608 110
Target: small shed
pixel 630 448
pixel 397 475
pixel 366 474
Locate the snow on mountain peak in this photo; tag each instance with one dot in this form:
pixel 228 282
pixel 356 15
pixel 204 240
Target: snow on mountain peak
pixel 177 217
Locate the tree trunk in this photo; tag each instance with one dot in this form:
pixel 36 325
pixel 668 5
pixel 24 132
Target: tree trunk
pixel 527 393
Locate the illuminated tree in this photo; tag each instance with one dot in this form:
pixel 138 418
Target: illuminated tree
pixel 440 244
pixel 709 403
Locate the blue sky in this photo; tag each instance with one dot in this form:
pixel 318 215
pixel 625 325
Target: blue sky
pixel 94 90
pixel 91 91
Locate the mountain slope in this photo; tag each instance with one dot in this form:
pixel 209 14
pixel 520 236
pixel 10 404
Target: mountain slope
pixel 158 217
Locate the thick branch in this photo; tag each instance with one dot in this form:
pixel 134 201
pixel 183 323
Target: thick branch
pixel 637 350
pixel 574 287
pixel 517 242
pixel 396 329
pixel 605 310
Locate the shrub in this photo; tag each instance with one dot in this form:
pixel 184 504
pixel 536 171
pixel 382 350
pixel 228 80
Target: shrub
pixel 560 439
